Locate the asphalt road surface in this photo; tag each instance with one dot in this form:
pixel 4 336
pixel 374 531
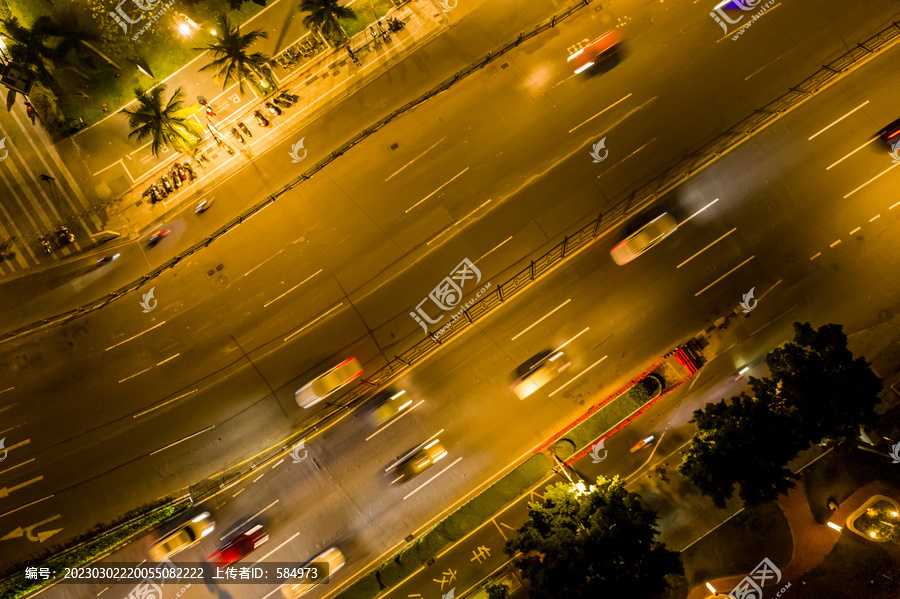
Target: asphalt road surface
pixel 90 435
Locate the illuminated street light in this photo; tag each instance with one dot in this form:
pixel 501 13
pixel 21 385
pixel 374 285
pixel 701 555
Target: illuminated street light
pixel 186 25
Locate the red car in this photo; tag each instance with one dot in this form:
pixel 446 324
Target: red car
pixel 240 546
pixel 595 51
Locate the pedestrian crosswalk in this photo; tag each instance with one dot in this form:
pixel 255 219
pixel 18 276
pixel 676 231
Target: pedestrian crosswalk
pixel 39 194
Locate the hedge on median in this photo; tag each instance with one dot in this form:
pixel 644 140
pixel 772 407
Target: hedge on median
pixel 90 547
pixel 586 432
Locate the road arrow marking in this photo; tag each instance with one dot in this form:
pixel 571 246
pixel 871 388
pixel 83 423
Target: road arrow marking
pixel 14 534
pixel 5 491
pixel 29 533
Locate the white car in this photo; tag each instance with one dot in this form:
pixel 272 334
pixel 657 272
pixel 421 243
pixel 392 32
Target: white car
pixel 299 587
pixel 644 238
pixel 537 372
pixel 187 535
pixel 323 386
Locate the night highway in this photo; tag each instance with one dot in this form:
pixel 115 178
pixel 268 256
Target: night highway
pixel 148 396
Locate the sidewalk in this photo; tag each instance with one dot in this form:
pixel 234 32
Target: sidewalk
pixel 328 78
pixel 812 541
pixel 111 199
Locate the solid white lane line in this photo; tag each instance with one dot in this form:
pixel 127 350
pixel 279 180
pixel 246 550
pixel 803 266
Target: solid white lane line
pixel 599 113
pixel 811 258
pixel 879 175
pixel 495 248
pixel 19 444
pixel 148 410
pixel 296 534
pixel 263 262
pixel 777 283
pixel 874 218
pixel 312 322
pixel 268 303
pixel 135 337
pixel 834 164
pixel 759 70
pixel 430 480
pixel 577 376
pixel 27 505
pixel 167 359
pixel 457 223
pixel 16 466
pixel 838 121
pixel 135 374
pixel 437 190
pixel 209 428
pixel 4 391
pixel 725 275
pixel 414 159
pixel 537 322
pixel 835 243
pixel 698 212
pixel 854 230
pixel 627 157
pixel 586 329
pixel 707 247
pixel 396 419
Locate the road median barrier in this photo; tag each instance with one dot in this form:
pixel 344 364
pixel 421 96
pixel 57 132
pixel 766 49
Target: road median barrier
pixel 91 547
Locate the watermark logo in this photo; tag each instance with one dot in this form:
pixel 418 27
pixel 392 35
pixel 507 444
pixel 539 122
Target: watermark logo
pixel 295 452
pixel 595 451
pixel 148 298
pixel 6 451
pixel 3 147
pixel 448 293
pixel 447 6
pixel 450 594
pixel 748 297
pixel 751 586
pixel 895 152
pixel 895 452
pixel 600 145
pixel 125 21
pixel 297 146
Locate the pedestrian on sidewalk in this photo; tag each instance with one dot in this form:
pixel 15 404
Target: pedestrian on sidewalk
pixel 46 178
pixel 353 56
pixel 384 32
pixel 373 33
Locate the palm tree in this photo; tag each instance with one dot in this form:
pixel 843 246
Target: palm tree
pixel 324 16
pixel 73 36
pixel 28 47
pixel 230 58
pixel 166 123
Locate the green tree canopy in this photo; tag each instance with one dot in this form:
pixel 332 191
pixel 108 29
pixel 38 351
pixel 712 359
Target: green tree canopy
pixel 231 59
pixel 740 443
pixel 324 16
pixel 816 391
pixel 589 542
pixel 163 122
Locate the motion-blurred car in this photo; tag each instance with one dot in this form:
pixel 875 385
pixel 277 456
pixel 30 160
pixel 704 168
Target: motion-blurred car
pixel 387 405
pixel 323 386
pixel 299 587
pixel 416 461
pixel 240 546
pixel 641 444
pixel 644 238
pixel 595 51
pixel 890 135
pixel 537 372
pixel 187 535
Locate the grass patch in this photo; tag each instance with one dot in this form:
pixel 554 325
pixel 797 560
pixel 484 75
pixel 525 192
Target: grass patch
pixel 859 567
pixel 586 432
pixel 96 544
pixel 367 11
pixel 739 545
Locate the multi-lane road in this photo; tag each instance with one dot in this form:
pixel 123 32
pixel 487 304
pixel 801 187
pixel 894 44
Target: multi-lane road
pixel 126 406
